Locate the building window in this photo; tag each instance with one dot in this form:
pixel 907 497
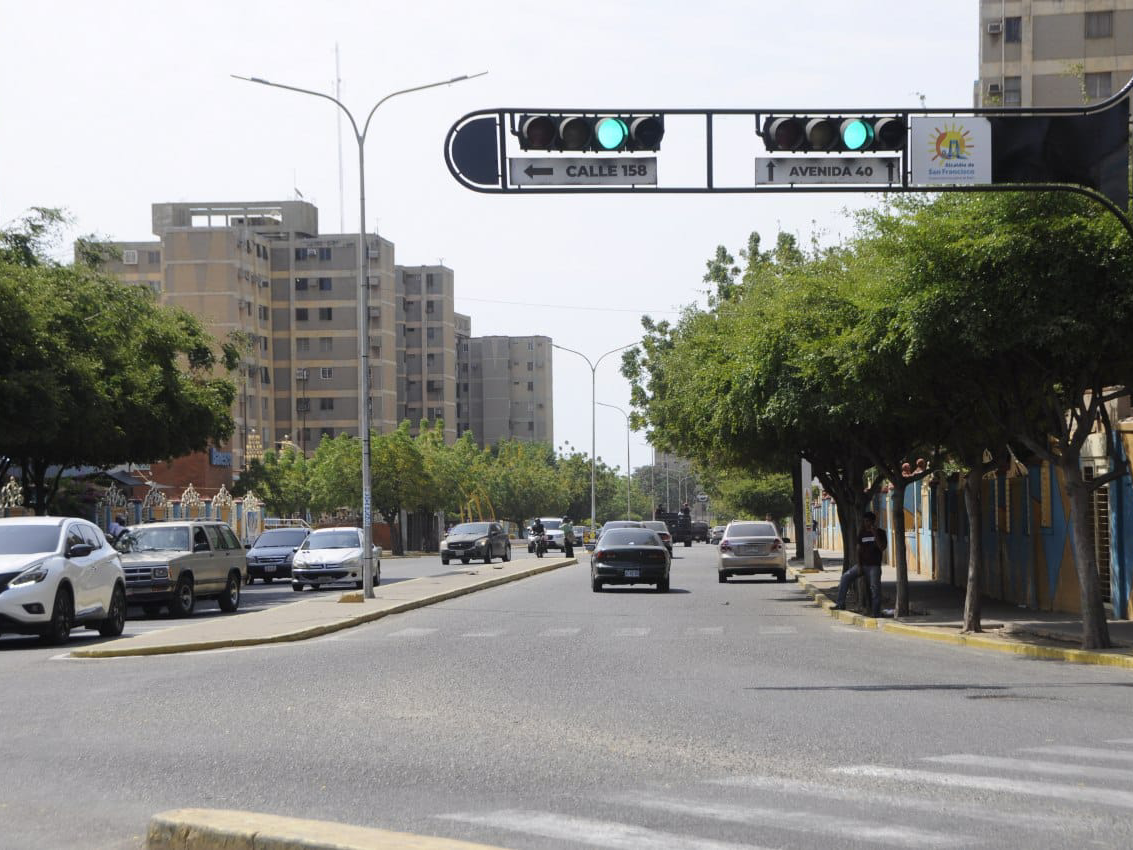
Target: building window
pixel 324 284
pixel 429 306
pixel 530 366
pixel 326 404
pixel 304 436
pixel 530 426
pixel 265 376
pixel 530 346
pixel 531 386
pixel 263 343
pixel 324 253
pixel 300 314
pixel 302 405
pixel 263 312
pixel 1012 91
pixel 327 432
pixel 300 284
pixel 326 343
pixel 326 373
pixel 1099 86
pixel 302 343
pixel 1099 24
pixel 300 253
pixel 154 258
pixel 155 286
pixel 325 314
pixel 1013 29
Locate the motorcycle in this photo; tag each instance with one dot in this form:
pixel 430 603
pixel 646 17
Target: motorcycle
pixel 540 545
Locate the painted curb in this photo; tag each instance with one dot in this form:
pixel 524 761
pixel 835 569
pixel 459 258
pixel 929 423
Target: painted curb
pixel 223 829
pixel 323 629
pixel 1113 658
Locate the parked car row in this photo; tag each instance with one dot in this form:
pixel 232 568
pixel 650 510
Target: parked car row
pixel 58 573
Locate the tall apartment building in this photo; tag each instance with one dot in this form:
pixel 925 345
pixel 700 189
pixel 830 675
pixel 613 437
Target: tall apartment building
pixel 510 389
pixel 262 274
pixel 1053 52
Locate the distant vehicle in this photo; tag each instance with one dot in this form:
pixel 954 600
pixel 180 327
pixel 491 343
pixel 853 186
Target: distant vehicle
pixel 270 556
pixel 662 531
pixel 680 526
pixel 751 548
pixel 176 563
pixel 476 540
pixel 618 523
pixel 333 555
pixel 716 534
pixel 552 526
pixel 630 556
pixel 57 573
pixel 700 531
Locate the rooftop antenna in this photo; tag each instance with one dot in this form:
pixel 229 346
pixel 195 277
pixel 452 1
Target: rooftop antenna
pixel 338 96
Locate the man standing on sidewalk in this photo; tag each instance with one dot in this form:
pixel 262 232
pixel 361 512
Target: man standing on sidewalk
pixel 871 544
pixel 568 537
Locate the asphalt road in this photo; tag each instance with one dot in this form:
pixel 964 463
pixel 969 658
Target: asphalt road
pixel 542 715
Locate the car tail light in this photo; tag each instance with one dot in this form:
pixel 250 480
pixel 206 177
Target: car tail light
pixel 777 545
pixel 725 545
pixel 598 555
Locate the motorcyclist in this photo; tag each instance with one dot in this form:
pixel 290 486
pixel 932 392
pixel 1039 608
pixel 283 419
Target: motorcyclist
pixel 537 532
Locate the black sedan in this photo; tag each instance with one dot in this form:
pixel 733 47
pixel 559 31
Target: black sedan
pixel 630 556
pixel 476 540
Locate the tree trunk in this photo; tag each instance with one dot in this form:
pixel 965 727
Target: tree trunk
pixel 897 546
pixel 973 485
pixel 802 527
pixel 1095 628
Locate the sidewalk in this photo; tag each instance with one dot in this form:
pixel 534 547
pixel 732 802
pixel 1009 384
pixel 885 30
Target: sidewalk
pixel 320 614
pixel 937 613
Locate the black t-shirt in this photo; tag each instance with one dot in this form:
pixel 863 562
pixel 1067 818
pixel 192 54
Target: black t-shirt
pixel 870 546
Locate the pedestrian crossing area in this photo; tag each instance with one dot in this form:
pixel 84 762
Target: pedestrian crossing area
pixel 1039 797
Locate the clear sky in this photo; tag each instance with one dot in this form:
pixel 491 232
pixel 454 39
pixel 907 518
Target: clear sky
pixel 108 107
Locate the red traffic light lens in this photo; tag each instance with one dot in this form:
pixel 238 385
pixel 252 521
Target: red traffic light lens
pixel 538 132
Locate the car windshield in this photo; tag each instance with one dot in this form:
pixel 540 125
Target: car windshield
pixel 656 525
pixel 752 529
pixel 630 537
pixel 332 540
pixel 281 537
pixel 155 538
pixel 552 524
pixel 470 528
pixel 28 539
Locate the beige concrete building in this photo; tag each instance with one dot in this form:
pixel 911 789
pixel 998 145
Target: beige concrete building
pixel 1053 52
pixel 510 389
pixel 263 275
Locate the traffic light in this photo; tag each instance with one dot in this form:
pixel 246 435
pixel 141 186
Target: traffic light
pixel 834 133
pixel 578 132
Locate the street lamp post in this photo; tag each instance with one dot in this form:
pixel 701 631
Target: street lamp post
pixel 363 303
pixel 593 407
pixel 626 415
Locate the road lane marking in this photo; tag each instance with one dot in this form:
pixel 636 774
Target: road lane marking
pixel 778 630
pixel 692 631
pixel 801 821
pixel 1048 768
pixel 1084 794
pixel 412 632
pixel 1081 752
pixel 595 833
pixel 488 634
pixel 559 632
pixel 633 631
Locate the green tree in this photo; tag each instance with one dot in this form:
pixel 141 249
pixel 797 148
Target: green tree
pixel 280 480
pixel 399 477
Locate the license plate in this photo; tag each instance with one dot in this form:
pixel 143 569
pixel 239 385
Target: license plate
pixel 633 573
pixel 269 568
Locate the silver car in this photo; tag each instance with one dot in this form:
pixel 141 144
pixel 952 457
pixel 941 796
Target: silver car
pixel 750 548
pixel 332 555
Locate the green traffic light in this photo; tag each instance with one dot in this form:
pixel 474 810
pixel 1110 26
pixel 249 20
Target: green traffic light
pixel 856 134
pixel 611 133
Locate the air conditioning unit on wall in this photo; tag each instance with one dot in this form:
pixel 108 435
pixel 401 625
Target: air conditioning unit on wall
pixel 301 374
pixel 994 27
pixel 994 89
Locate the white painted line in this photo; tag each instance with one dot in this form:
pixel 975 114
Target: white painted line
pixel 1048 768
pixel 778 630
pixel 801 821
pixel 1082 753
pixel 489 634
pixel 412 632
pixel 693 631
pixel 635 631
pixel 559 632
pixel 1084 794
pixel 1128 741
pixel 594 833
pixel 875 799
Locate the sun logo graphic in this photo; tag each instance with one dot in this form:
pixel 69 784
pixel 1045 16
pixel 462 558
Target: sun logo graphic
pixel 951 143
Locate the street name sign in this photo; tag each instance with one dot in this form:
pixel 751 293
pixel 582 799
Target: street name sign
pixel 783 170
pixel 583 171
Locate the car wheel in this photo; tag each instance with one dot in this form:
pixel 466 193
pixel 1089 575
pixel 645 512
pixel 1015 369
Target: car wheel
pixel 507 553
pixel 781 575
pixel 184 598
pixel 488 555
pixel 663 585
pixel 151 610
pixel 723 577
pixel 688 543
pixel 250 579
pixel 230 600
pixel 595 585
pixel 378 576
pixel 62 615
pixel 358 585
pixel 444 561
pixel 297 586
pixel 115 620
pixel 267 579
pixel 464 560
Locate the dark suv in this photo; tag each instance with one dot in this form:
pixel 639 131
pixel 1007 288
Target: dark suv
pixel 271 555
pixel 476 540
pixel 700 531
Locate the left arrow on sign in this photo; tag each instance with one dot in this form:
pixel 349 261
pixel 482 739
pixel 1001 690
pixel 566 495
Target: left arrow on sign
pixel 532 171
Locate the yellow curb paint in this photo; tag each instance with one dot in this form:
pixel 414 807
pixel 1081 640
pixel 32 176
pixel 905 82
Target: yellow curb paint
pixel 352 597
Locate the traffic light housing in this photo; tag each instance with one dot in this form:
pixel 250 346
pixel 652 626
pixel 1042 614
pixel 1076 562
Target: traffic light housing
pixel 579 132
pixel 834 133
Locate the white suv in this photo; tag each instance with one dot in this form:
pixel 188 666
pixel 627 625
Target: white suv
pixel 56 573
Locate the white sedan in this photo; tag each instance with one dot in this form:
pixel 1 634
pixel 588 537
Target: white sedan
pixel 57 573
pixel 333 555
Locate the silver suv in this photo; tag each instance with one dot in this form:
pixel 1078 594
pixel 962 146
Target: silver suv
pixel 176 563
